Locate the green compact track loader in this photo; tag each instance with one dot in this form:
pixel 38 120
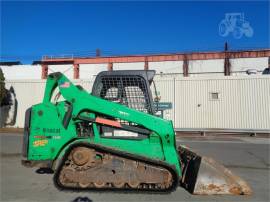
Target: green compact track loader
pixel 112 139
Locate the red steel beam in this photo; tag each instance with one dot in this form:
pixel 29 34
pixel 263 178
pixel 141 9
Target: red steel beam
pixel 160 58
pixel 110 66
pixel 185 67
pixel 227 66
pixel 146 64
pixel 44 71
pixel 76 71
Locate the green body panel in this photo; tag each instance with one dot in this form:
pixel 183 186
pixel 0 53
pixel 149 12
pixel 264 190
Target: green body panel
pixel 48 139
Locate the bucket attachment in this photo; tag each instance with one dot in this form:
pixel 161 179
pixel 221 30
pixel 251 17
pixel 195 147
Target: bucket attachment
pixel 204 176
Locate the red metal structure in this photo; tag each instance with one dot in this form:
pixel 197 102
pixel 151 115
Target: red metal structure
pixel 185 57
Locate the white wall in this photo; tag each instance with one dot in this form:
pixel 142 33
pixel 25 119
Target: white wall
pixel 197 68
pixel 243 103
pixel 89 71
pixel 166 67
pixel 126 66
pixel 241 65
pixel 22 71
pixel 67 69
pixel 28 93
pixel 201 68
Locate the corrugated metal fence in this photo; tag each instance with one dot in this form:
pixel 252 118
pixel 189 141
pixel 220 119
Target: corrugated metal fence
pixel 240 103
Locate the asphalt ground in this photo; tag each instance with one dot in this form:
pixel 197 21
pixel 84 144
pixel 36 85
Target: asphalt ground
pixel 247 157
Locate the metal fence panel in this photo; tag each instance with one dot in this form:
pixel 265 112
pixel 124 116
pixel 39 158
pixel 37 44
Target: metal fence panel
pixel 206 103
pixel 223 103
pixel 165 90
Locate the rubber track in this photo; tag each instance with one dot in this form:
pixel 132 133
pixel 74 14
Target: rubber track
pixel 112 151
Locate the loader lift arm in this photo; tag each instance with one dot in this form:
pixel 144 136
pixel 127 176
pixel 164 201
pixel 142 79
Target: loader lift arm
pixel 82 102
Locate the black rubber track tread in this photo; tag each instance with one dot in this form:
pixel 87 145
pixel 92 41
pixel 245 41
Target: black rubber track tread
pixel 112 151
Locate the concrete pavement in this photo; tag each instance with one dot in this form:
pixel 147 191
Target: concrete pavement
pixel 247 157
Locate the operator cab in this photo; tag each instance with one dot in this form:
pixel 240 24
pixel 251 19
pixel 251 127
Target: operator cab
pixel 128 87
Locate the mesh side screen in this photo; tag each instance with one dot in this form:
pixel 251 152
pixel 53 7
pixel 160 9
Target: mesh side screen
pixel 127 90
pixel 135 100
